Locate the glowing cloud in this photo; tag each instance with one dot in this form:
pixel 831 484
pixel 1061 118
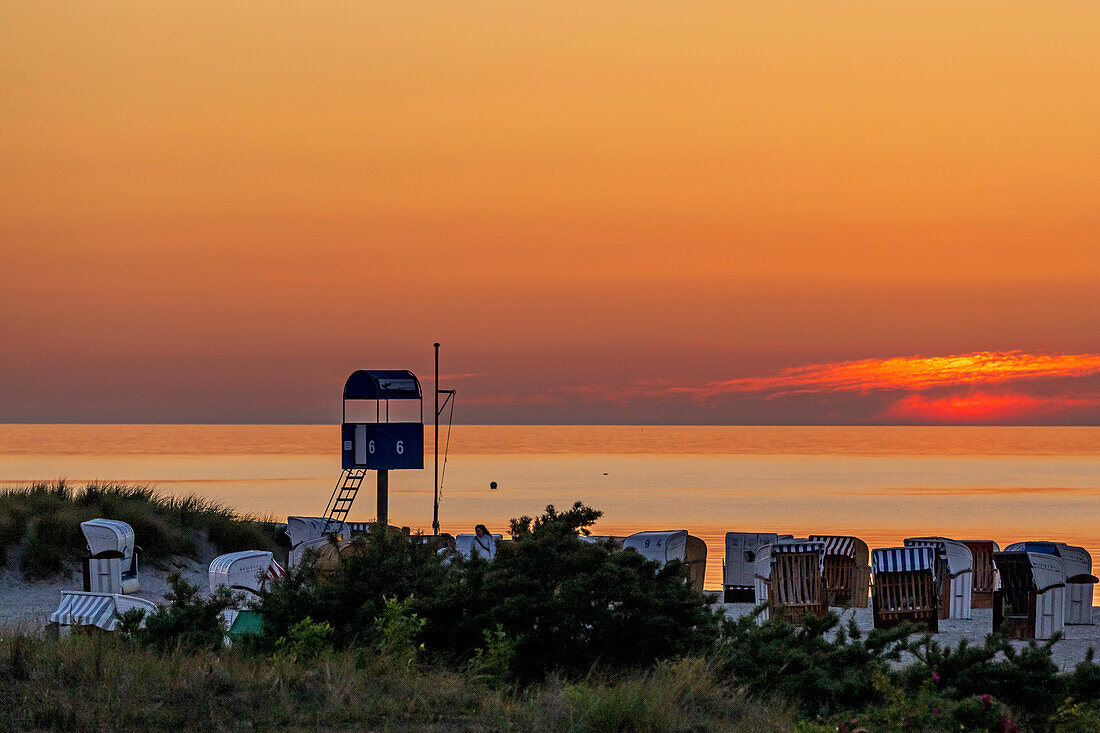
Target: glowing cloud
pixel 970 372
pixel 910 373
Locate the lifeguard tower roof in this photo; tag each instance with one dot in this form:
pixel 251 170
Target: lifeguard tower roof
pixel 382 384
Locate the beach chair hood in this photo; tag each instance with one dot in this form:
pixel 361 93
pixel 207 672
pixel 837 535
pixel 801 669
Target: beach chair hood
pixel 1077 560
pixel 108 538
pixel 302 529
pixel 1047 571
pixel 903 559
pixel 845 545
pixel 659 546
pixel 244 570
pixel 742 549
pixel 958 555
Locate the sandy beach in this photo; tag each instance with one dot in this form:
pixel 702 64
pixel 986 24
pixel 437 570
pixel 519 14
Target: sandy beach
pixel 26 605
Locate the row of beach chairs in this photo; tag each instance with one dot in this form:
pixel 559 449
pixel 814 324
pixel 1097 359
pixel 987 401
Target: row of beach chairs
pixel 1036 587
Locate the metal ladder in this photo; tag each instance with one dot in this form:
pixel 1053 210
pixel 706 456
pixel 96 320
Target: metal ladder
pixel 339 504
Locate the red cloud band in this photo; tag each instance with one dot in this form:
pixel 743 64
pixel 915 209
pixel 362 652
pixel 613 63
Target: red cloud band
pixel 908 373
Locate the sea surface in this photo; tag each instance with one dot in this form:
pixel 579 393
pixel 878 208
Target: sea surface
pixel 878 483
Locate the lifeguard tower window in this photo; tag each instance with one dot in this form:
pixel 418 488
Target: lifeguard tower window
pixel 383 425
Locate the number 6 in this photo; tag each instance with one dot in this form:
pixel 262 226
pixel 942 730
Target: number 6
pixel 370 446
pixel 400 447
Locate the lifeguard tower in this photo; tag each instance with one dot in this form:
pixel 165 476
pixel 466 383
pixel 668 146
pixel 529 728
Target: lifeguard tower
pixel 382 429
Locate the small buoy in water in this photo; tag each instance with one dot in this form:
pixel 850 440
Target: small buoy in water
pixel 492 486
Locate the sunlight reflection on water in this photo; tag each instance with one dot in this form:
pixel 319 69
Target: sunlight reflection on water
pixel 881 484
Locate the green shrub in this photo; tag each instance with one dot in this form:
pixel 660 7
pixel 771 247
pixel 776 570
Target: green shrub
pixel 571 605
pixel 353 594
pixel 1027 680
pixel 566 605
pixel 799 664
pixel 304 640
pixel 493 662
pixel 189 620
pixel 13 525
pixel 397 630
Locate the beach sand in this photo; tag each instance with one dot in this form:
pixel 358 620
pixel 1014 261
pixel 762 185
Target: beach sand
pixel 25 606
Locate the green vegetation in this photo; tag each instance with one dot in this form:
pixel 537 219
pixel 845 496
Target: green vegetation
pixel 107 682
pixel 555 604
pixel 45 519
pixel 554 634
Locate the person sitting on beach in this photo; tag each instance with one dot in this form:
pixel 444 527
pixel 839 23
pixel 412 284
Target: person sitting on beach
pixel 484 543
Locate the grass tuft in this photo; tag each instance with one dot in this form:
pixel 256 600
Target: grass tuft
pixel 102 681
pixel 46 517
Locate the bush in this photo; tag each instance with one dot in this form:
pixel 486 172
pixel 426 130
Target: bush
pixel 1027 681
pixel 305 640
pixel 353 594
pixel 801 665
pixel 559 604
pixel 572 605
pixel 188 620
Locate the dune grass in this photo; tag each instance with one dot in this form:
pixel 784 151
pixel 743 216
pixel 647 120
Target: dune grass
pixel 100 681
pixel 43 521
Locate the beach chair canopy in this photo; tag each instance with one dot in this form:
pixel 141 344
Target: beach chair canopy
pixel 1041 546
pixel 244 570
pixel 845 545
pixel 1077 560
pixel 1043 571
pixel 903 559
pixel 983 545
pixel 300 529
pixel 79 608
pixel 765 559
pixel 108 537
pixel 741 551
pixel 958 556
pixel 659 546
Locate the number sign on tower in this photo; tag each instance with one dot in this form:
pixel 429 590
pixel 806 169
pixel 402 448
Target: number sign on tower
pixel 383 429
pixel 383 424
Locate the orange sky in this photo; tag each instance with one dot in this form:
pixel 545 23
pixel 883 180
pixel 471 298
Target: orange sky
pixel 215 211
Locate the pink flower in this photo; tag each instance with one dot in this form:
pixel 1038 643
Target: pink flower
pixel 935 678
pixel 987 701
pixel 1008 726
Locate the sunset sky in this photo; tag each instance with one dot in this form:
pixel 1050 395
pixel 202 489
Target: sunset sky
pixel 607 212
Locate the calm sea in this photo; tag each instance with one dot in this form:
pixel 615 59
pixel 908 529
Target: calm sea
pixel 879 483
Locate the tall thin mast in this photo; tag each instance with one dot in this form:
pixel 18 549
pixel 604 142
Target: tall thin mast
pixel 435 486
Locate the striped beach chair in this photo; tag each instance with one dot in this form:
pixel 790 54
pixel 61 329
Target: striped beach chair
pixel 790 579
pixel 956 573
pixel 905 586
pixel 81 608
pixel 847 570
